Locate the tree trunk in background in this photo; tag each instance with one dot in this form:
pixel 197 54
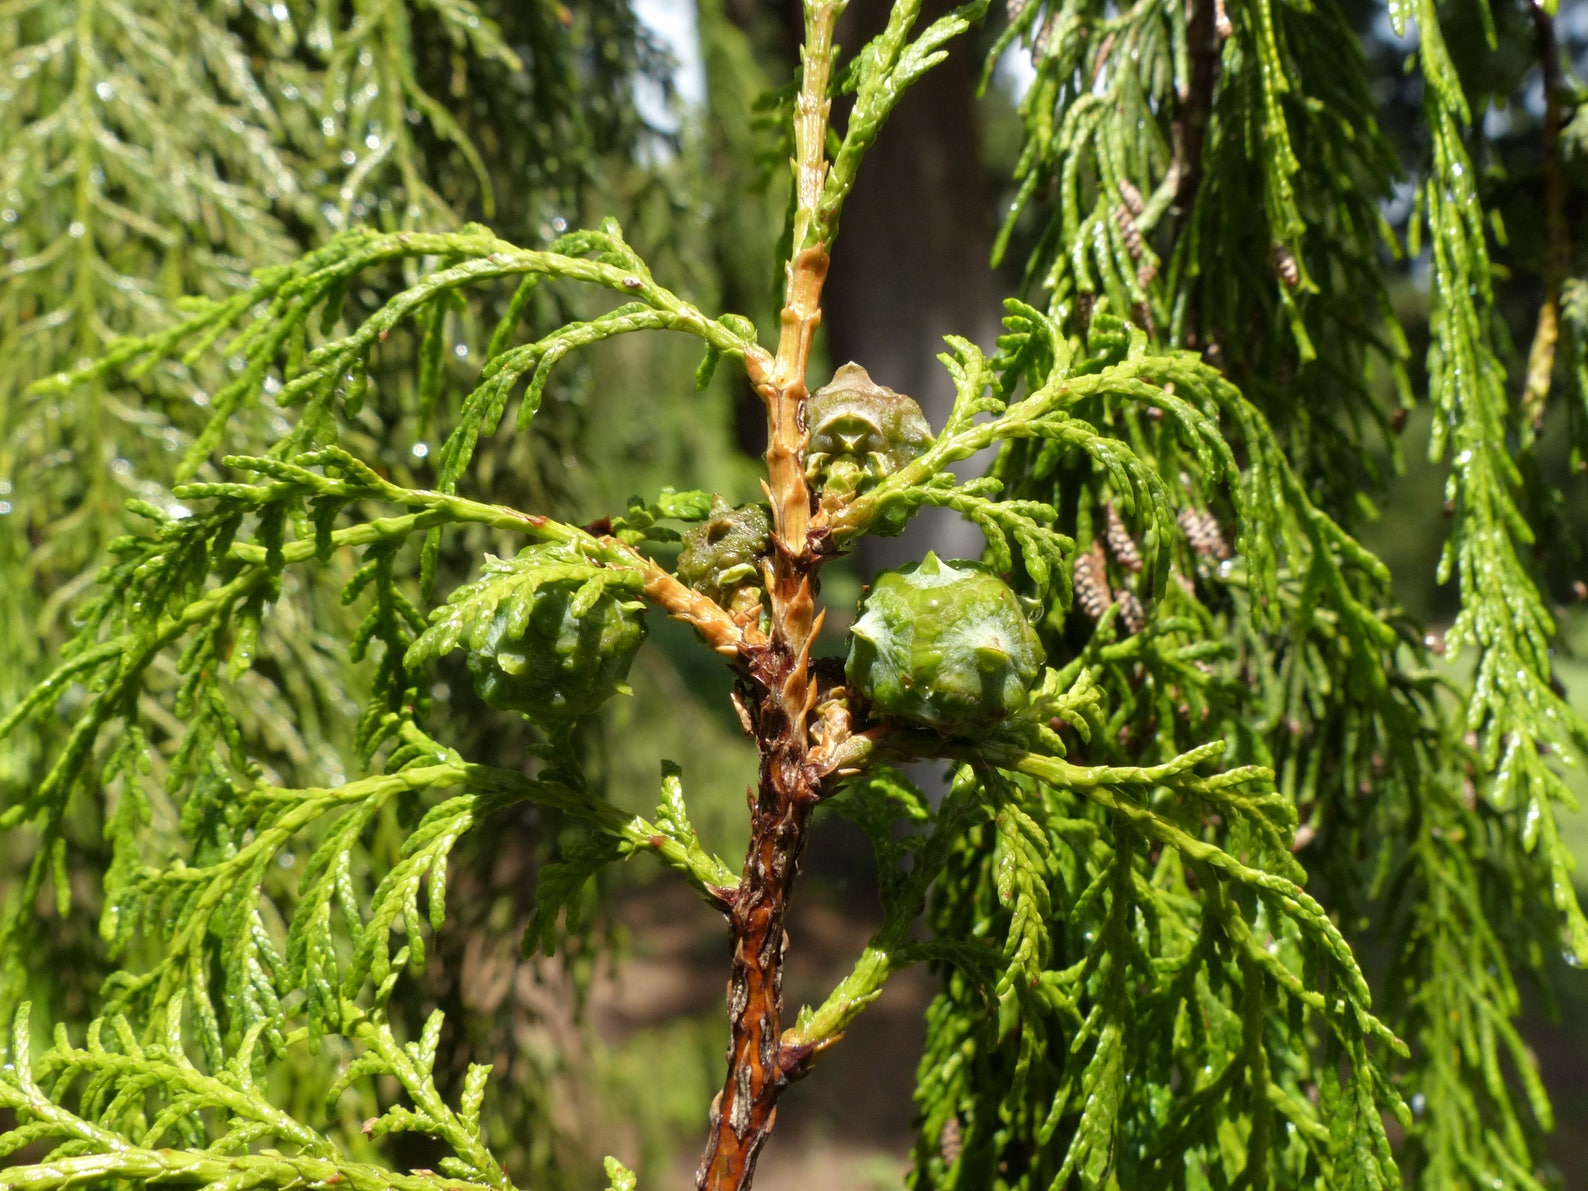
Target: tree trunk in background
pixel 917 233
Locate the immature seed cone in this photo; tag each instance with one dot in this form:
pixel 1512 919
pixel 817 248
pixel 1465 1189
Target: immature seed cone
pixel 944 644
pixel 722 555
pixel 860 433
pixel 564 659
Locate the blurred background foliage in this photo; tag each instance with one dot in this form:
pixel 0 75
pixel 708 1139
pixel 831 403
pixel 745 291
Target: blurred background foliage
pixel 154 148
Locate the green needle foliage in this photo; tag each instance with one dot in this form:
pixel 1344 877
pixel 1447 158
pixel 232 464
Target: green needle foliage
pixel 164 151
pixel 1143 887
pixel 1217 174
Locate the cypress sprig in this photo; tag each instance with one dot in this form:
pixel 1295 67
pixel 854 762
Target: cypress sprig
pixel 137 1098
pixel 1512 707
pixel 1301 660
pixel 1183 774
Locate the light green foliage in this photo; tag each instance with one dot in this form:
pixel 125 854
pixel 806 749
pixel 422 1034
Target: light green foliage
pixel 152 1135
pixel 180 615
pixel 1512 706
pixel 1194 745
pixel 945 644
pixel 159 151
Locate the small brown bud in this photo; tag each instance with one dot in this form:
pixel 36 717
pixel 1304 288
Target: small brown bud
pixel 1143 316
pixel 1128 231
pixel 950 1141
pixel 1039 44
pixel 1131 613
pixel 1132 197
pixel 1203 533
pixel 1084 302
pixel 1091 582
pixel 1398 419
pixel 1120 543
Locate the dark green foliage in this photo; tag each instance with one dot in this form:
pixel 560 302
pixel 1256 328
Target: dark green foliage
pixel 1289 645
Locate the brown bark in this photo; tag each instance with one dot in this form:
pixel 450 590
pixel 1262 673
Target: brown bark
pixel 780 687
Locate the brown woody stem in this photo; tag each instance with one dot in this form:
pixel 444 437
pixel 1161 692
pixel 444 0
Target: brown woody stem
pixel 715 624
pixel 783 693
